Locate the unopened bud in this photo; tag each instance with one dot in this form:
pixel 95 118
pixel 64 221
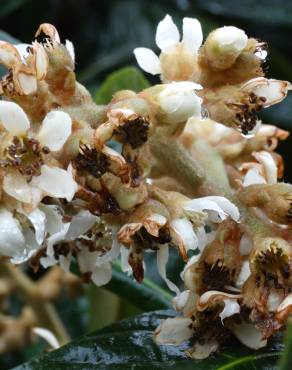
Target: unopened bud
pixel 179 101
pixel 223 46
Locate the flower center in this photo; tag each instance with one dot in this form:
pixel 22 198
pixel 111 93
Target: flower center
pixel 134 131
pixel 26 155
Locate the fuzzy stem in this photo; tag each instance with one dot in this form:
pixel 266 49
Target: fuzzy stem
pixel 178 162
pixel 187 170
pixel 45 312
pixel 205 175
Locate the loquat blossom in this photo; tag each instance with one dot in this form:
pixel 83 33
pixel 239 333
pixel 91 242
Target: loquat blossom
pixel 177 59
pixel 28 176
pixel 194 168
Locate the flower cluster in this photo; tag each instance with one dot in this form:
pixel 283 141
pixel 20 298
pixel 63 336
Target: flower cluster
pixel 186 164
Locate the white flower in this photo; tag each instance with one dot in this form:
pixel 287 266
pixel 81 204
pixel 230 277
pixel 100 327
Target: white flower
pixel 97 263
pixel 21 242
pixel 270 90
pixel 167 38
pixel 230 37
pixel 26 72
pixel 184 229
pixel 179 101
pixel 248 335
pixel 185 302
pixel 209 298
pixel 263 172
pixel 174 331
pixel 54 132
pixel 60 231
pixel 162 258
pixel 223 46
pixel 11 238
pixel 231 307
pixel 217 207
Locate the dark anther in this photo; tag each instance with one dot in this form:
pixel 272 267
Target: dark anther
pixel 134 131
pixel 92 161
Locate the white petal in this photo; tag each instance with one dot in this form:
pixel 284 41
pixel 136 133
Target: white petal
pixel 47 335
pixel 285 303
pixel 23 51
pixel 167 34
pixel 55 182
pixel 179 101
pixel 38 220
pixel 13 118
pixel 272 90
pixel 192 34
pixel 55 130
pixel 50 259
pixel 80 224
pixel 12 240
pixel 204 238
pixel 9 55
pixel 15 185
pixel 231 37
pixel 41 61
pixel 269 165
pixel 231 307
pixel 184 229
pixel 113 253
pixel 261 54
pixel 274 300
pixel 253 177
pixel 180 106
pixel 101 275
pixel 65 262
pixel 248 335
pixel 181 86
pixel 190 263
pixel 185 302
pixel 173 331
pixel 162 258
pixel 228 207
pixel 219 206
pixel 31 246
pixel 213 295
pixel 70 47
pixel 28 83
pixel 202 351
pixel 243 275
pixel 54 218
pixel 147 60
pixel 87 260
pixel 125 266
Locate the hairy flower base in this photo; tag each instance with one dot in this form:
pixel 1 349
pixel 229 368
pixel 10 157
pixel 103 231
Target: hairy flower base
pixel 195 171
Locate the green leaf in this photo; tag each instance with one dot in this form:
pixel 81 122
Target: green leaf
pixel 147 296
pixel 278 12
pixel 127 78
pixel 286 359
pixel 129 344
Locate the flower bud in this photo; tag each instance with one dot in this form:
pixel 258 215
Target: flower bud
pixel 179 101
pixel 223 46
